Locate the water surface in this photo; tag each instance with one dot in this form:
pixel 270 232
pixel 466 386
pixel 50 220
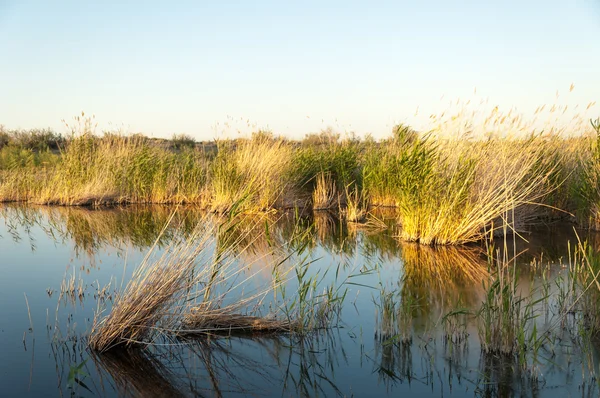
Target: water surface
pixel 364 353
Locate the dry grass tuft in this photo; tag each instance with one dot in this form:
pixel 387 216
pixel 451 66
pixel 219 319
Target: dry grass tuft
pixel 185 291
pixel 201 321
pixel 356 206
pixel 324 197
pixel 154 297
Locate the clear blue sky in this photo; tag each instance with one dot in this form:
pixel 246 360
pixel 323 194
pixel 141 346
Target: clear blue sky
pixel 164 67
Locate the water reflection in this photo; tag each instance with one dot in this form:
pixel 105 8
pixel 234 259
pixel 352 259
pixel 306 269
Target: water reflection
pixel 443 276
pixel 401 293
pixel 219 367
pixel 143 226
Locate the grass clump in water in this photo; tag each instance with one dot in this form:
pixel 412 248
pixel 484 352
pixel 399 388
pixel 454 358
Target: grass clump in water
pixel 187 291
pixel 450 191
pixel 324 196
pixel 152 300
pixel 507 318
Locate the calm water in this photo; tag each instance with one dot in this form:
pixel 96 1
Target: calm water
pixel 43 332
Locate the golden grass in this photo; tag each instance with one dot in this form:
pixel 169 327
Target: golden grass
pixel 324 196
pixel 474 183
pixel 356 206
pixel 470 172
pixel 251 176
pixel 184 291
pixel 107 170
pixel 150 301
pixel 162 288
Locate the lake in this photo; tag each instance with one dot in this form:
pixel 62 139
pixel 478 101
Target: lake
pixel 401 318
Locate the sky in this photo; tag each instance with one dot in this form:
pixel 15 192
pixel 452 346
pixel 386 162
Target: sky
pixel 213 68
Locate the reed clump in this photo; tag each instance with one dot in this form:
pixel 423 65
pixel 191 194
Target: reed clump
pixel 250 175
pixel 324 196
pixel 169 294
pixel 152 299
pixel 507 317
pixel 187 291
pixel 467 186
pixel 325 165
pixel 105 170
pixel 357 206
pixel 582 295
pixel 586 181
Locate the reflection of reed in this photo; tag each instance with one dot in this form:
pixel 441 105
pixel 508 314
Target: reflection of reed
pixel 226 371
pixel 91 230
pixel 332 233
pixel 136 226
pixel 499 377
pixel 325 224
pixel 248 234
pixel 206 367
pixel 311 367
pixel 395 362
pixel 137 373
pixel 378 240
pixel 193 367
pixel 443 275
pixel 300 368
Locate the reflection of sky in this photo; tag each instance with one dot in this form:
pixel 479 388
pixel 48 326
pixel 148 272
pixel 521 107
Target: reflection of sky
pixel 32 272
pixel 163 67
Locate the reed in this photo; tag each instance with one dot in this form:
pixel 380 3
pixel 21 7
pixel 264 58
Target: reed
pixel 180 292
pixel 357 204
pixel 250 175
pixel 450 185
pixel 152 299
pixel 336 159
pixel 586 185
pixel 111 169
pixel 582 295
pixel 507 316
pixel 393 169
pixel 324 197
pixel 468 186
pixel 201 320
pixel 187 291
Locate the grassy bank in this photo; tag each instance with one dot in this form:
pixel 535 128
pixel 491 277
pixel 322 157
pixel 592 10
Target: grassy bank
pixel 448 189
